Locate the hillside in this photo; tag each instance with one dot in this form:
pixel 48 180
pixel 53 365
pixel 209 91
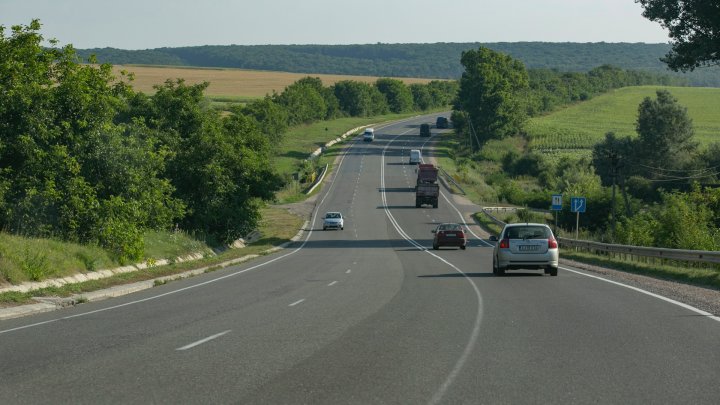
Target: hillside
pixel 439 60
pixel 577 128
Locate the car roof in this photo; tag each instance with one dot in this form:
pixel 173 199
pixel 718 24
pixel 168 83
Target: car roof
pixel 332 212
pixel 525 224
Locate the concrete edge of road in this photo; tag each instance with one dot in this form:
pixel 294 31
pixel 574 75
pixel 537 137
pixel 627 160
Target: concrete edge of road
pixel 47 304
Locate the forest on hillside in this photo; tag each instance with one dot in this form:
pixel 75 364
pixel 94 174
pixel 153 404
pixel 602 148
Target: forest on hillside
pixel 439 60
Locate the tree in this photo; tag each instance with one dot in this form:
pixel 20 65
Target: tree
pixel 355 97
pixel 220 167
pixel 694 27
pixel 399 98
pixel 665 141
pixel 422 99
pixel 271 118
pixel 304 102
pixel 489 90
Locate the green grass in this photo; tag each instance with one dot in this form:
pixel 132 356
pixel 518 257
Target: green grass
pixel 301 141
pixel 575 129
pixel 276 227
pixel 34 259
pixel 705 277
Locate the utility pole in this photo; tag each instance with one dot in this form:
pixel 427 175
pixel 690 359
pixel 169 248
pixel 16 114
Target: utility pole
pixel 613 173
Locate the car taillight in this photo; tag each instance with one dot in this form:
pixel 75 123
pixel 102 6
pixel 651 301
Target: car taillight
pixel 505 244
pixel 552 243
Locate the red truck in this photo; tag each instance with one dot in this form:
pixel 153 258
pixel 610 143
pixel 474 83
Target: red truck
pixel 427 173
pixel 427 190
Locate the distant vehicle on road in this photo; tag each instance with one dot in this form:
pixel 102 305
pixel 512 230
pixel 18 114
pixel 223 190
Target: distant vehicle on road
pixel 425 130
pixel 369 135
pixel 333 220
pixel 449 234
pixel 442 123
pixel 415 157
pixel 525 246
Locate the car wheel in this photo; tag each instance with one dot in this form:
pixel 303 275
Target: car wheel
pixel 495 270
pixel 341 228
pixel 462 247
pixel 553 271
pixel 324 228
pixel 435 246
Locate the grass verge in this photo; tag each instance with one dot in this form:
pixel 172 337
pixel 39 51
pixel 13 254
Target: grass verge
pixel 278 226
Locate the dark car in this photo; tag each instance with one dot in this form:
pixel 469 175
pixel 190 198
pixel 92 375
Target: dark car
pixel 425 130
pixel 442 123
pixel 449 234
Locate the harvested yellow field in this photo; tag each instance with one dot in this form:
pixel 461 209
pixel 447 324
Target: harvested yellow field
pixel 233 82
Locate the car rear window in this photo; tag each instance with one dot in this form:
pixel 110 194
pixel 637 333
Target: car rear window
pixel 527 232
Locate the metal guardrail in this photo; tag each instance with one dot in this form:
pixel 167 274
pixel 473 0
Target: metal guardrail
pixel 694 256
pixel 449 178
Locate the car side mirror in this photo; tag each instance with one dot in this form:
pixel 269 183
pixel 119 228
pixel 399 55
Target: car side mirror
pixel 433 231
pixel 493 238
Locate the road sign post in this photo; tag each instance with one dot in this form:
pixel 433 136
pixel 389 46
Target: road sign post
pixel 577 205
pixel 556 205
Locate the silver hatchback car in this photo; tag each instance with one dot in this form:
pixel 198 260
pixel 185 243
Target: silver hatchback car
pixel 525 246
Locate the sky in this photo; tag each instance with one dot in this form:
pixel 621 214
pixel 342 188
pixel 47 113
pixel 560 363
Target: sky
pixel 148 24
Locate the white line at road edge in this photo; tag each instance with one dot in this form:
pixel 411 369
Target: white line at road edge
pixel 199 342
pixel 660 297
pixel 472 341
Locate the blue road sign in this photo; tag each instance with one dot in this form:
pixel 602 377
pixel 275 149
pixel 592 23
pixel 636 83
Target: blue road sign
pixel 556 202
pixel 577 204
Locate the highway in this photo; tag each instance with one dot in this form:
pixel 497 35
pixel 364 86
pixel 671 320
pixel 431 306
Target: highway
pixel 369 315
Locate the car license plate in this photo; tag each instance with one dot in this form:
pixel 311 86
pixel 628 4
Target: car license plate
pixel 527 248
pixel 452 235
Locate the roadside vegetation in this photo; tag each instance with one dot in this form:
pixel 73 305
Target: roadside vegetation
pixel 664 178
pixel 123 176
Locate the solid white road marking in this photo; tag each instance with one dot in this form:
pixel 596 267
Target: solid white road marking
pixel 201 341
pixel 332 284
pixel 348 271
pixel 296 302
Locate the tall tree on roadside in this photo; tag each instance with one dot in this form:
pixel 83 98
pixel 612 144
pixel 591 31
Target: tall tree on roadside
pixel 665 132
pixel 304 101
pixel 398 95
pixel 694 27
pixel 271 118
pixel 489 90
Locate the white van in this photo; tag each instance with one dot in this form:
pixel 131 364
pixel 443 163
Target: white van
pixel 368 135
pixel 415 157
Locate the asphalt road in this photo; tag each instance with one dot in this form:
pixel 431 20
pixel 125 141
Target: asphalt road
pixel 369 315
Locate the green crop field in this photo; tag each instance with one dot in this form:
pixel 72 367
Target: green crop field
pixel 574 130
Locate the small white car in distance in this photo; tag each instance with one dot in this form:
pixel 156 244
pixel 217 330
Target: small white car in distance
pixel 333 220
pixel 369 135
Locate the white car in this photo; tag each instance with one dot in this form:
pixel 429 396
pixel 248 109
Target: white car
pixel 369 135
pixel 333 220
pixel 525 246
